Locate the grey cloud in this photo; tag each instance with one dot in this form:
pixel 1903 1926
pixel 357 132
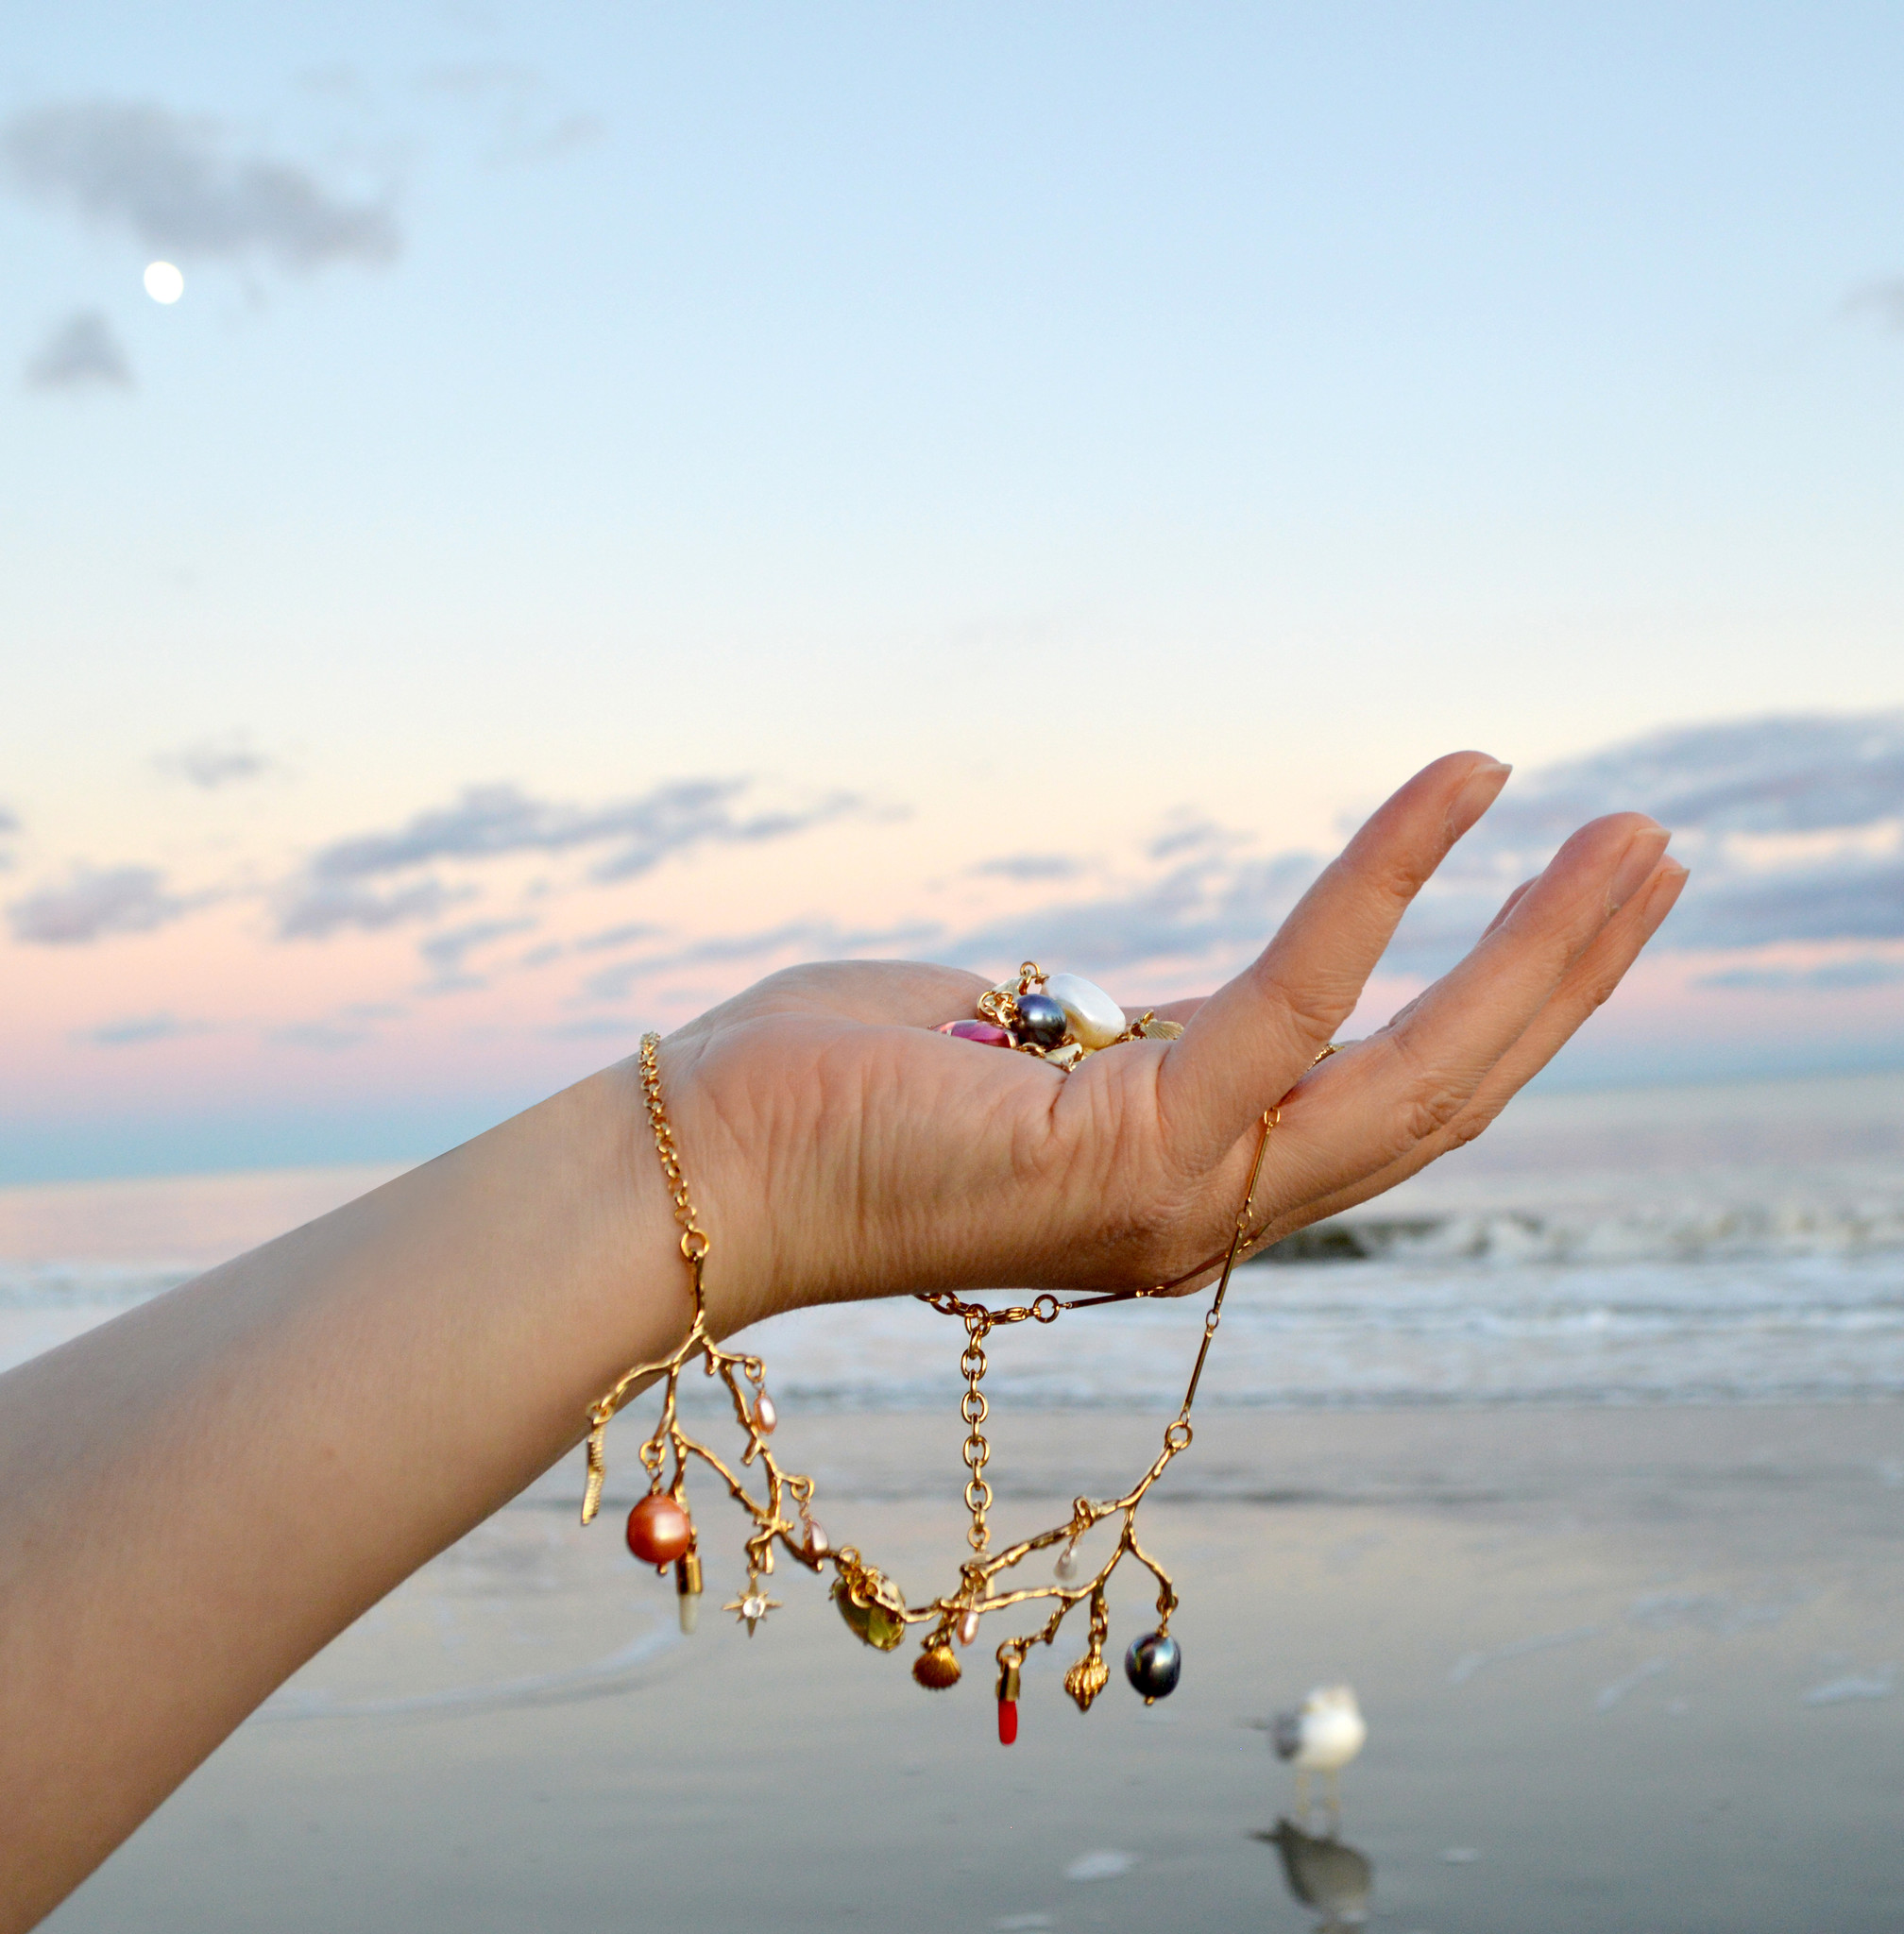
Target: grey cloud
pixel 210 765
pixel 138 1029
pixel 1199 835
pixel 324 1037
pixel 495 822
pixel 314 910
pixel 1805 774
pixel 1881 301
pixel 1837 903
pixel 446 952
pixel 1834 977
pixel 1031 866
pixel 1207 905
pixel 618 937
pixel 95 903
pixel 1794 775
pixel 81 353
pixel 176 183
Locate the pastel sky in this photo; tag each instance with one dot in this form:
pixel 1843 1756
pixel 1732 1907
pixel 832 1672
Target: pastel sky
pixel 631 497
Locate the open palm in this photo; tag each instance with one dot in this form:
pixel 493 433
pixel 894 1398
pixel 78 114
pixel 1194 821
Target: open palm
pixel 839 1148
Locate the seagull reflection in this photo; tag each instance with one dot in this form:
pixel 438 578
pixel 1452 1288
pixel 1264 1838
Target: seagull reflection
pixel 1324 1874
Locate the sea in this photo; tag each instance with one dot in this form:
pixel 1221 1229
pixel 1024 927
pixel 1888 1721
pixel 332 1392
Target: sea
pixel 1732 1242
pixel 1576 1457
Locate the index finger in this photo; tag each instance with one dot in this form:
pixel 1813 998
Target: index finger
pixel 1250 1042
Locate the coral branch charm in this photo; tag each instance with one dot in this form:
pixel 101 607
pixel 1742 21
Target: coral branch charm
pixel 1060 1018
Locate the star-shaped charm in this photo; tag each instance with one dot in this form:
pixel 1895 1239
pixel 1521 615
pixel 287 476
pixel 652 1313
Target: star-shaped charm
pixel 752 1609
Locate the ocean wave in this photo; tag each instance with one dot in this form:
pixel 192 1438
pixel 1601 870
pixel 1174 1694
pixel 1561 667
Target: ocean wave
pixel 1664 1232
pixel 1679 1303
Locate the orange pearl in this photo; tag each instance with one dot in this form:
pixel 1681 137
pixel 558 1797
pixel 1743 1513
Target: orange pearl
pixel 659 1530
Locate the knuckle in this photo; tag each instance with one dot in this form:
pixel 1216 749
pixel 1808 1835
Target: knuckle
pixel 1312 1014
pixel 1428 1101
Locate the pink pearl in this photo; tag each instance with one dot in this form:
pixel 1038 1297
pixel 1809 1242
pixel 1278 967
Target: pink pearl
pixel 981 1031
pixel 968 1628
pixel 765 1415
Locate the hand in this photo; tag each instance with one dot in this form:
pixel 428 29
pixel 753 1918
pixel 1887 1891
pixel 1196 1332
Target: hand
pixel 838 1148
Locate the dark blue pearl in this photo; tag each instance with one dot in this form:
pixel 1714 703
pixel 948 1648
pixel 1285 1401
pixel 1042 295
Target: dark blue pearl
pixel 1153 1665
pixel 1041 1020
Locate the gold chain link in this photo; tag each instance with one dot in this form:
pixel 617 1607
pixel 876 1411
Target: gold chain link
pixel 974 1410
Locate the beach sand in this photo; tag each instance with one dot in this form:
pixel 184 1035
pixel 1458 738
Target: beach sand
pixel 1624 1668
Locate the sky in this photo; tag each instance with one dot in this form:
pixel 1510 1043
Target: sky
pixel 632 497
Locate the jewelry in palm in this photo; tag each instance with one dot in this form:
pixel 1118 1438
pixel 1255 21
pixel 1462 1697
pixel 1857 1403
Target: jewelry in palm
pixel 1061 1019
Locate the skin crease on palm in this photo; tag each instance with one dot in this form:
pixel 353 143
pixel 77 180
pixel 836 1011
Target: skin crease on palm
pixel 199 1495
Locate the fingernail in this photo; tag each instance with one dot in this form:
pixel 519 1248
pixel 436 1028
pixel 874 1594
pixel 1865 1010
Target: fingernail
pixel 1478 791
pixel 1636 866
pixel 1671 873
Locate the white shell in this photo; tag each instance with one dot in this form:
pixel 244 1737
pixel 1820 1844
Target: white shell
pixel 1096 1019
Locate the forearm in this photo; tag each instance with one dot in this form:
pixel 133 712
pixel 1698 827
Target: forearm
pixel 196 1498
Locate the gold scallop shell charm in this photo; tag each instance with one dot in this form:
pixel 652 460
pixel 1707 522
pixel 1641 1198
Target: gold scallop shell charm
pixel 935 1667
pixel 1087 1678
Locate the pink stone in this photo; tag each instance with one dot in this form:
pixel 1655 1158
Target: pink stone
pixel 981 1031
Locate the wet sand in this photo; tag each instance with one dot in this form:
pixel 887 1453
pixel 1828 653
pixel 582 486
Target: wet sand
pixel 1624 1668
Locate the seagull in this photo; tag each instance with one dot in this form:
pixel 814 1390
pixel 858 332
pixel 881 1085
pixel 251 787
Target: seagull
pixel 1322 1736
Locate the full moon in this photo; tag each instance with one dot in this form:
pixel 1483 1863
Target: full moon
pixel 163 283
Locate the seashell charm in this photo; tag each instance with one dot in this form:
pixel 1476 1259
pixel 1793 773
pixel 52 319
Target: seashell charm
pixel 1087 1678
pixel 936 1668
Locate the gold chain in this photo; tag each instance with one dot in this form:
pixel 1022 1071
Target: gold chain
pixel 871 1604
pixel 694 1239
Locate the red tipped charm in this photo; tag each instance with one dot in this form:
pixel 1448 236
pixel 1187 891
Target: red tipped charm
pixel 1008 1663
pixel 659 1530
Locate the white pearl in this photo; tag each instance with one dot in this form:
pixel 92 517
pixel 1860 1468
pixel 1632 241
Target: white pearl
pixel 1096 1019
pixel 1066 1566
